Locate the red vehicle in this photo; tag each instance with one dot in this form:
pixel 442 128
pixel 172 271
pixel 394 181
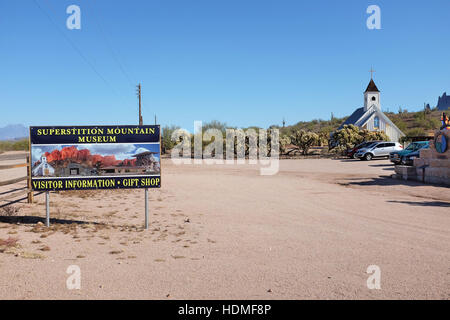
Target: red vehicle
pixel 352 152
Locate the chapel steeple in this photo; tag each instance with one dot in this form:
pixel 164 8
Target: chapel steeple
pixel 372 94
pixel 372 87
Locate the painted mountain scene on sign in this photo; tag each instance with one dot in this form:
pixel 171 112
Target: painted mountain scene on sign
pixel 95 160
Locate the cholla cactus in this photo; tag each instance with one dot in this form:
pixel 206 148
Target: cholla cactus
pixel 323 138
pixel 304 140
pixel 284 141
pixel 374 135
pixel 347 137
pixel 351 135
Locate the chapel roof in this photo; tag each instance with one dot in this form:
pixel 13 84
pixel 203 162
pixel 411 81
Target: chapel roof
pixel 372 87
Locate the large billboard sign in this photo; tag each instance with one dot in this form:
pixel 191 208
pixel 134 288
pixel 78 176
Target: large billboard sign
pixel 95 157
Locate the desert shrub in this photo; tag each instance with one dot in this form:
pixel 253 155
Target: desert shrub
pixel 373 135
pixel 345 138
pixel 9 211
pixel 400 124
pixel 166 141
pixel 214 124
pixel 415 132
pixel 304 140
pixel 14 145
pixel 323 137
pixel 284 141
pixel 351 135
pixel 9 243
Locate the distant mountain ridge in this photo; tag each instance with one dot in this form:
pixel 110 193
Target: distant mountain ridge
pixel 443 102
pixel 13 132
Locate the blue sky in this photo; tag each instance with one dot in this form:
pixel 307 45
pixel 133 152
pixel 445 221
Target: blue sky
pixel 243 62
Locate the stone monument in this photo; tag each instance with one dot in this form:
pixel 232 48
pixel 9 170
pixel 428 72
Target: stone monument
pixel 433 163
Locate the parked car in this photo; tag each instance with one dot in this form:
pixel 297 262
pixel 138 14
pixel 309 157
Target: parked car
pixel 398 157
pixel 378 150
pixel 408 160
pixel 351 153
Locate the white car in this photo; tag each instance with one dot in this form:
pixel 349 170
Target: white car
pixel 378 150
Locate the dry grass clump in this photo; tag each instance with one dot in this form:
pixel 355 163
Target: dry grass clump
pixel 9 211
pixel 10 242
pixel 38 228
pixel 9 245
pixel 80 193
pixel 99 227
pixel 69 229
pixel 31 255
pixel 12 246
pixel 66 228
pixel 110 214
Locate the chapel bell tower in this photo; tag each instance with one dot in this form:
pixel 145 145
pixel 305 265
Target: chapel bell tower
pixel 371 95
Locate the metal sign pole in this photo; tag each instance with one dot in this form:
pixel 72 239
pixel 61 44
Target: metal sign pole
pixel 47 209
pixel 146 208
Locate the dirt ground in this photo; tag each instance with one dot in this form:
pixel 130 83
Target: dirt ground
pixel 226 232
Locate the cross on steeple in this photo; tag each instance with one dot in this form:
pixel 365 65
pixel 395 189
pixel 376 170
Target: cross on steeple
pixel 371 73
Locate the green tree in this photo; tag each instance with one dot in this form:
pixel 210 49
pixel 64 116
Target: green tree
pixel 214 124
pixel 166 138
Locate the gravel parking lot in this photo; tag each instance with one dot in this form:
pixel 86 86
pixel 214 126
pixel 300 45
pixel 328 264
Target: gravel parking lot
pixel 225 232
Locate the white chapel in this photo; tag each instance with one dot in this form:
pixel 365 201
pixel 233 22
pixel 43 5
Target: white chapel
pixel 371 117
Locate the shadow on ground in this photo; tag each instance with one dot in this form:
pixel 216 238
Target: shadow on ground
pixel 346 160
pixel 358 160
pixel 34 220
pixel 380 181
pixel 386 181
pixel 382 165
pixel 424 203
pixel 12 190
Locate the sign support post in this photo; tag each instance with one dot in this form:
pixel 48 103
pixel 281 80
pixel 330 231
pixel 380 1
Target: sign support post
pixel 146 208
pixel 29 187
pixel 47 209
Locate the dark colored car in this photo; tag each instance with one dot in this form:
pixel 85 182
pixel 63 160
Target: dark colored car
pixel 352 152
pixel 408 160
pixel 398 157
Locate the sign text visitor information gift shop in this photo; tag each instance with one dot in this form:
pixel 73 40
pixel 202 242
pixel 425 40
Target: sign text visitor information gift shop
pixel 95 157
